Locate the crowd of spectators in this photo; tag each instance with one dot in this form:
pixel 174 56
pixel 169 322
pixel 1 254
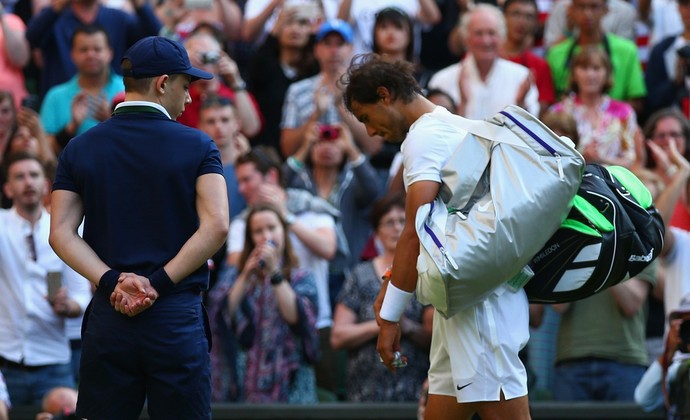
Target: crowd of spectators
pixel 316 197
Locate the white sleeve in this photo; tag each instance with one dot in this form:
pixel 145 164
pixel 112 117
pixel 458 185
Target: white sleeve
pixel 649 394
pixel 426 149
pixel 236 235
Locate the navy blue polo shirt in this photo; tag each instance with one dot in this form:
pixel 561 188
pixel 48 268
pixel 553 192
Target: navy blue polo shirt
pixel 136 175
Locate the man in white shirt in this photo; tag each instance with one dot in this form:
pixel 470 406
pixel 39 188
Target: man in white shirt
pixel 483 83
pixel 475 366
pixel 34 349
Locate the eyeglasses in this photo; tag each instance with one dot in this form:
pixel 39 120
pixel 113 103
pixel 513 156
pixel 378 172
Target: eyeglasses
pixel 671 135
pixel 390 223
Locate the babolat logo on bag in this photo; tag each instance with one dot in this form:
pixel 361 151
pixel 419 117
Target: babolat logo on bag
pixel 612 232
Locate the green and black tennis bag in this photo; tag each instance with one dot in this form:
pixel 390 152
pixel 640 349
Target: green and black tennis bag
pixel 613 231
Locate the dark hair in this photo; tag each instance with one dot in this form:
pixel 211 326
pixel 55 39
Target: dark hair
pixel 384 205
pixel 508 3
pixel 653 120
pixel 90 29
pixel 289 259
pixel 440 92
pixel 586 57
pixel 18 157
pixel 264 159
pixel 399 19
pixel 367 72
pixel 215 101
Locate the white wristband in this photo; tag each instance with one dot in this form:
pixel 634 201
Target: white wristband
pixel 394 303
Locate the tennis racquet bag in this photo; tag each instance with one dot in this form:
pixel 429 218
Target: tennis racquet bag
pixel 613 231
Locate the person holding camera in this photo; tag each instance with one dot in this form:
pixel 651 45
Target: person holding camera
pixel 270 305
pixel 666 383
pixel 317 99
pixel 329 165
pixel 668 69
pixel 205 52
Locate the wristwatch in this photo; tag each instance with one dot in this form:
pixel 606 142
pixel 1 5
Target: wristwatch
pixel 239 86
pixel 277 278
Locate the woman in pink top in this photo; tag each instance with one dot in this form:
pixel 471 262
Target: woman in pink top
pixel 606 126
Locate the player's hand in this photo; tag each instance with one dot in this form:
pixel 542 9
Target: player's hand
pixel 388 342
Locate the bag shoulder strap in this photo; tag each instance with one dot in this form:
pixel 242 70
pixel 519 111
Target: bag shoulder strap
pixel 483 128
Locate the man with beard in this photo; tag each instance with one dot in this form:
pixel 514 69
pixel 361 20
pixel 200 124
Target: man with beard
pixel 34 350
pixel 90 91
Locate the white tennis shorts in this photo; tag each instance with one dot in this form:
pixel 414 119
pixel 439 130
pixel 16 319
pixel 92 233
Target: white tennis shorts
pixel 474 354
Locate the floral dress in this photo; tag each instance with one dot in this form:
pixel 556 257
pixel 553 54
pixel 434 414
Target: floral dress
pixel 257 357
pixel 367 379
pixel 613 133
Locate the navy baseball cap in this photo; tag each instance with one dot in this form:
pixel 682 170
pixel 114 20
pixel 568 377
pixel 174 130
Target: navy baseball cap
pixel 156 55
pixel 337 26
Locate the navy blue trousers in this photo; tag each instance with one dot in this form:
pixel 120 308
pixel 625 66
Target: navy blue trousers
pixel 160 357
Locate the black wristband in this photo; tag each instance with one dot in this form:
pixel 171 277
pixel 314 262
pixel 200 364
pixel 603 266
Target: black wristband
pixel 107 283
pixel 161 282
pixel 277 278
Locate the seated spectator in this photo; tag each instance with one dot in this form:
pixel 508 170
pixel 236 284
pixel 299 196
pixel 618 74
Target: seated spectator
pixel 676 252
pixel 606 127
pixel 205 52
pixel 521 23
pixel 312 229
pixel 355 328
pixel 662 128
pixel 318 98
pixel 58 403
pixel 75 106
pixel 628 82
pixel 180 18
pixel 330 165
pixel 218 119
pixel 361 15
pixel 271 307
pixel 483 83
pixel 619 19
pixel 52 30
pixel 14 55
pixel 669 375
pixel 29 136
pixel 393 40
pixel 668 73
pixel 284 57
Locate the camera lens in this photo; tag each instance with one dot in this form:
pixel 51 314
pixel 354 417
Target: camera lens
pixel 210 57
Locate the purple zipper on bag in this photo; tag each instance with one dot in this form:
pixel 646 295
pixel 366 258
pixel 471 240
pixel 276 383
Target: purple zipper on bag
pixel 438 243
pixel 544 144
pixel 531 133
